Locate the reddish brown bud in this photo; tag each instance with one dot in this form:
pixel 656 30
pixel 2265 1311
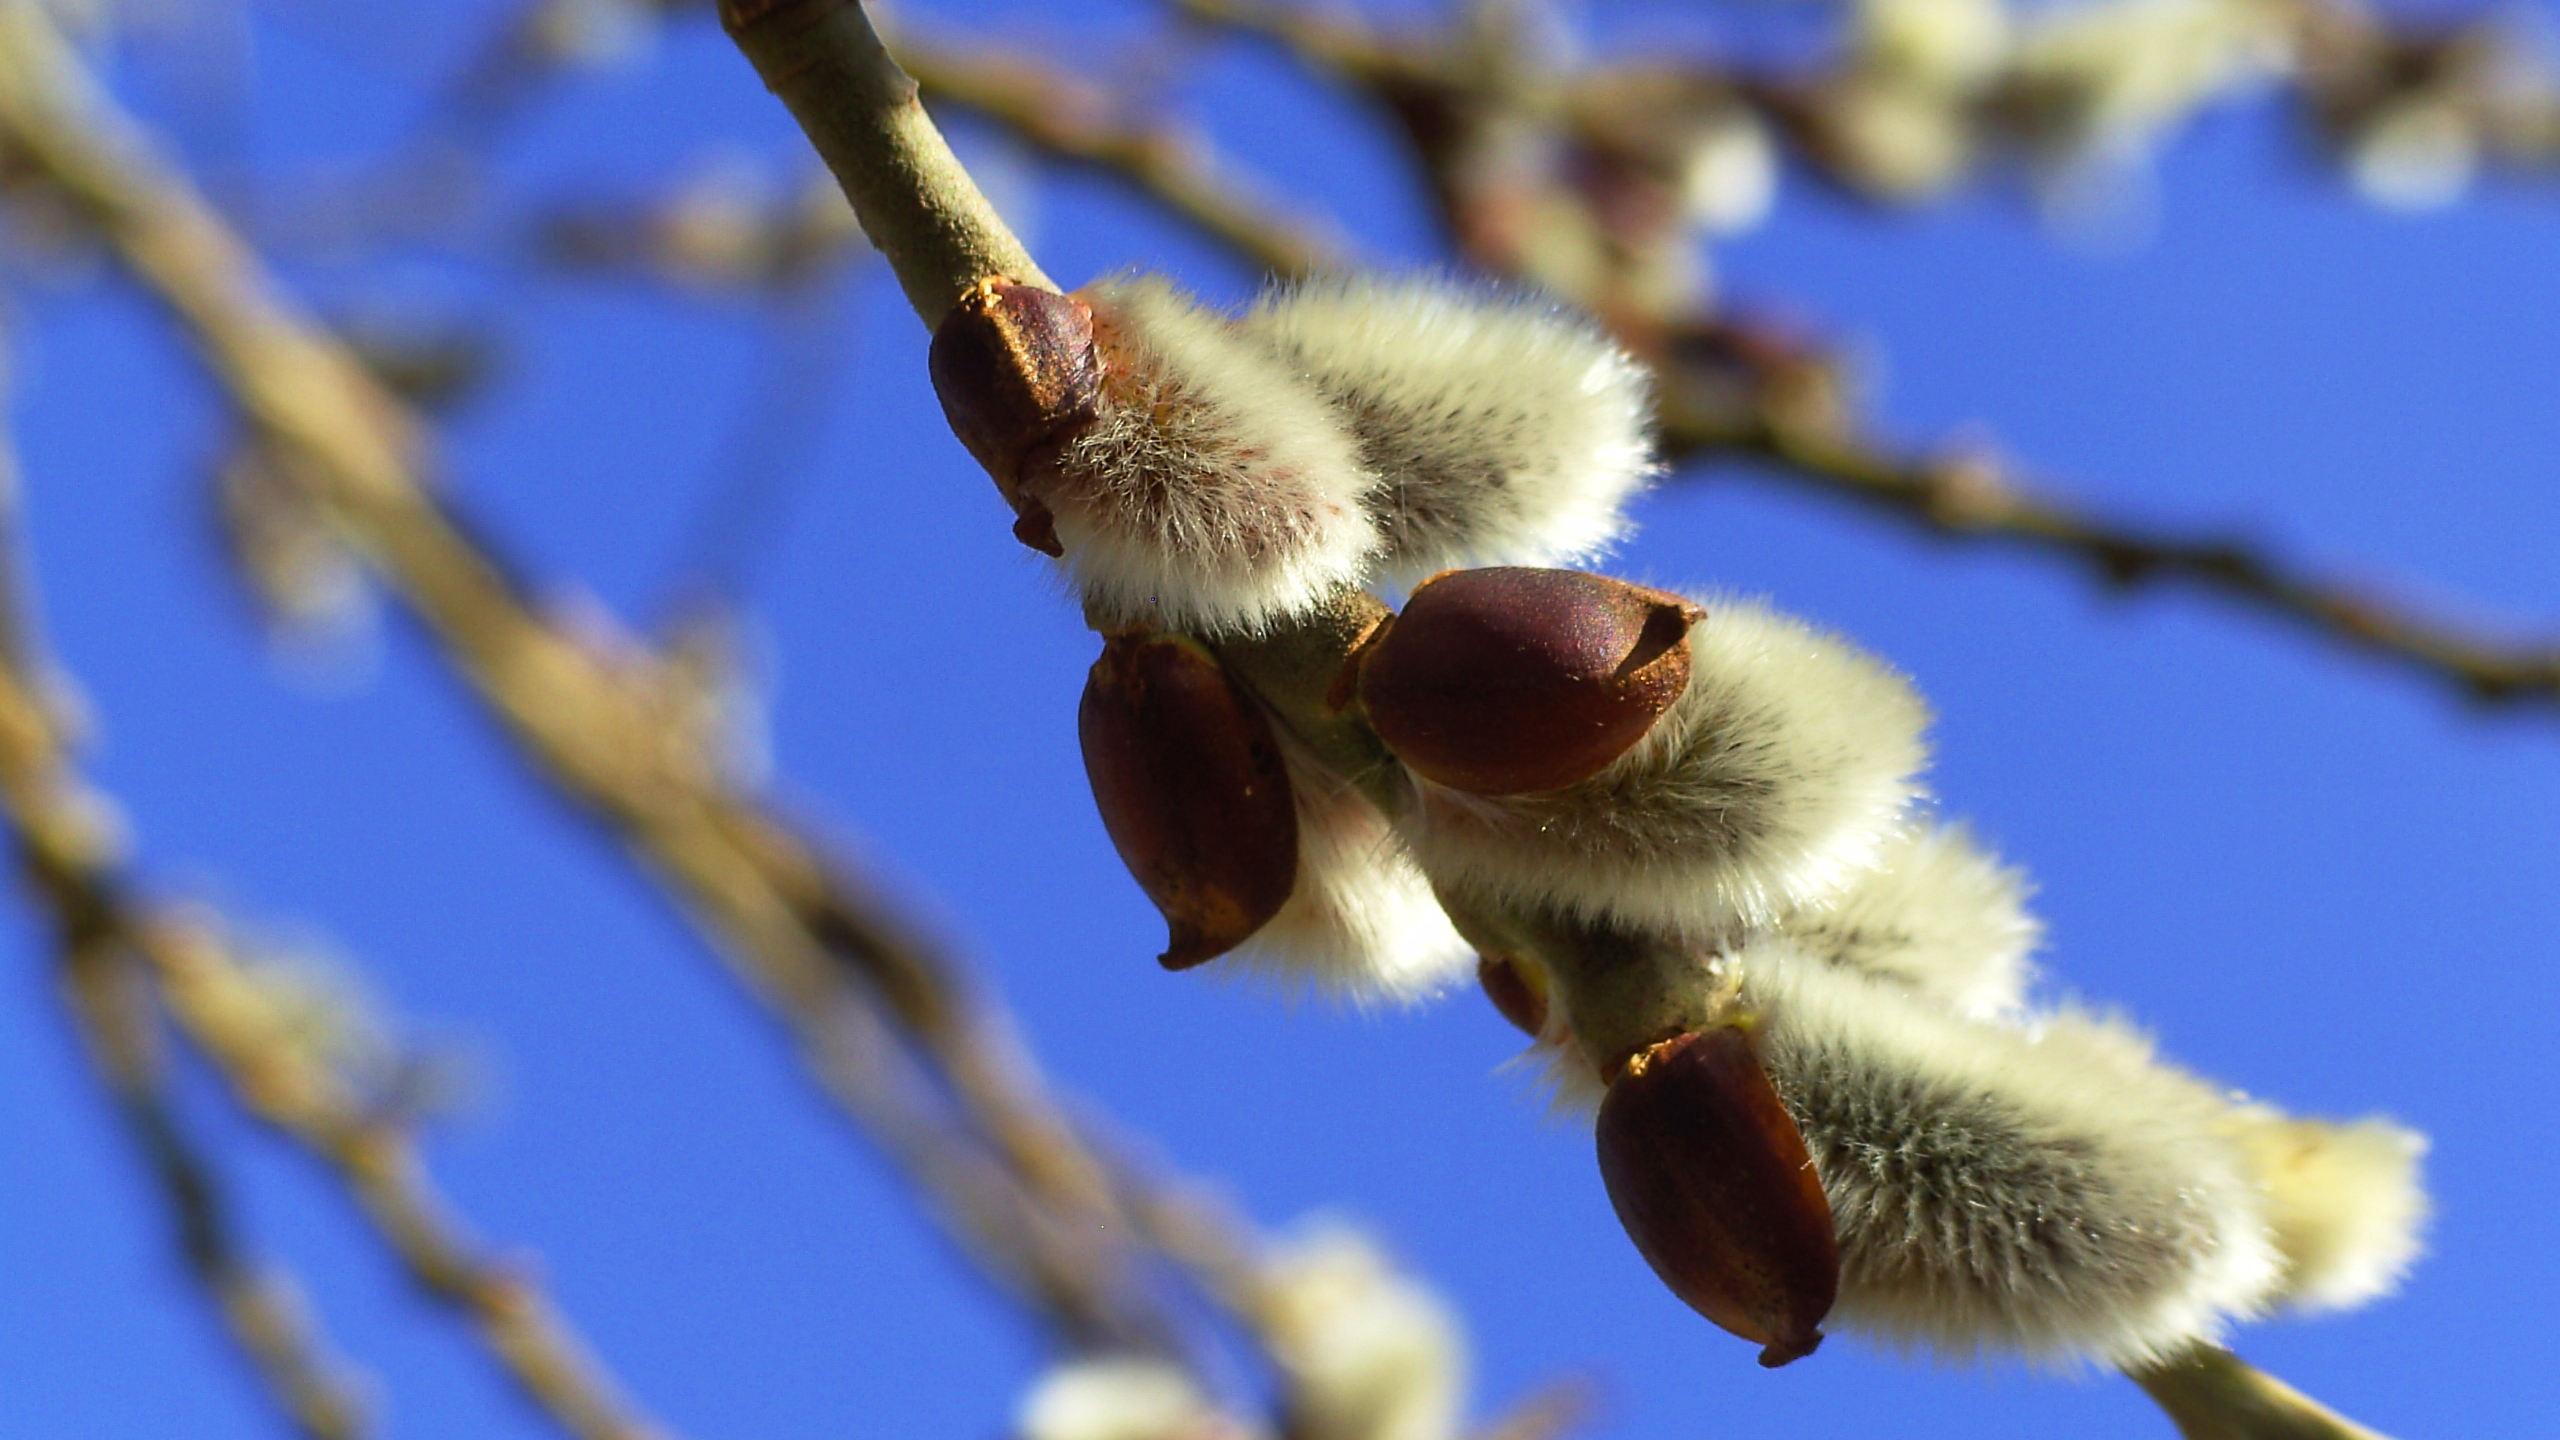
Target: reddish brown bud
pixel 1710 1177
pixel 1509 681
pixel 1192 790
pixel 1517 989
pixel 1018 375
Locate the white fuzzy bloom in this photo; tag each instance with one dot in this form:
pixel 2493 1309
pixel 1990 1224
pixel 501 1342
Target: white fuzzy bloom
pixel 1217 492
pixel 2419 153
pixel 1361 921
pixel 2346 1203
pixel 1936 916
pixel 1370 1353
pixel 1897 140
pixel 1729 177
pixel 1946 45
pixel 1505 431
pixel 1775 778
pixel 2140 66
pixel 2051 1192
pixel 1118 1397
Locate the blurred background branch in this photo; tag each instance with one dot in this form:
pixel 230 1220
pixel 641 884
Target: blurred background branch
pixel 1601 181
pixel 132 964
pixel 889 1027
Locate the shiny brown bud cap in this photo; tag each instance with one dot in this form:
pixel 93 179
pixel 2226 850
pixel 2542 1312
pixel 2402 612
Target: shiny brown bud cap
pixel 1510 681
pixel 1192 790
pixel 1711 1180
pixel 1018 375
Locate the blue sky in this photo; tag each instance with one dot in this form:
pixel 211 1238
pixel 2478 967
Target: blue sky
pixel 2314 878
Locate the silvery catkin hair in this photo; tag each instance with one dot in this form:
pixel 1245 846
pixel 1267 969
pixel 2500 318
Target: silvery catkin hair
pixel 1215 491
pixel 1935 915
pixel 1361 921
pixel 1505 431
pixel 2049 1191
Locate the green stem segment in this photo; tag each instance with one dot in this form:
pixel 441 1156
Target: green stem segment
pixel 918 206
pixel 2213 1394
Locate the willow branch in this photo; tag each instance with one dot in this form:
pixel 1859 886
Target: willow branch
pixel 107 928
pixel 921 210
pixel 1075 121
pixel 2213 1394
pixel 532 1341
pixel 1965 499
pixel 259 1307
pixel 58 839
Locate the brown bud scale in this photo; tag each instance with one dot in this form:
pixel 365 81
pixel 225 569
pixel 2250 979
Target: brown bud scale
pixel 1711 1179
pixel 1018 374
pixel 1192 789
pixel 1512 681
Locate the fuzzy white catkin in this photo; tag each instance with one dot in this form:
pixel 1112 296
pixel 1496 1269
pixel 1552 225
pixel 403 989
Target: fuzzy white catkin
pixel 1776 777
pixel 1117 1397
pixel 1370 1353
pixel 1361 922
pixel 2050 1192
pixel 1217 492
pixel 1935 915
pixel 2345 1200
pixel 1506 431
pixel 1937 45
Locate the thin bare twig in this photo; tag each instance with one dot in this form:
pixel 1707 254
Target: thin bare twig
pixel 1962 498
pixel 59 836
pixel 862 113
pixel 537 1345
pixel 258 1305
pixel 606 721
pixel 114 942
pixel 1084 124
pixel 1441 93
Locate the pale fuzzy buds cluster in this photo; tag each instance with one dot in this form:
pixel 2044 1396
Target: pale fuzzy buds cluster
pixel 1844 984
pixel 1224 478
pixel 1685 835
